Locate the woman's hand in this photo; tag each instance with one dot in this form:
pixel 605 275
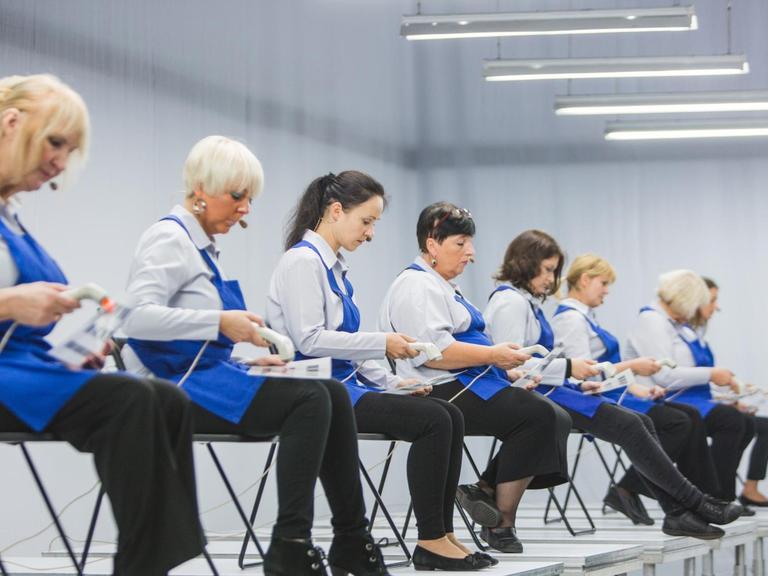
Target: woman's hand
pixel 591 386
pixel 36 303
pixel 514 375
pixel 657 392
pixel 237 325
pixel 720 376
pixel 268 360
pixel 644 366
pixel 423 391
pixel 397 346
pixel 506 356
pixel 582 369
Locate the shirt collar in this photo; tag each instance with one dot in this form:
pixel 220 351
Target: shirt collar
pixel 421 263
pixel 578 305
pixel 200 239
pixel 532 300
pixel 330 258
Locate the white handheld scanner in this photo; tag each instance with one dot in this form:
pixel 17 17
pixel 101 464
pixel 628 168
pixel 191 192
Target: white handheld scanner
pixel 430 349
pixel 668 362
pixel 92 291
pixel 608 369
pixel 535 349
pixel 284 345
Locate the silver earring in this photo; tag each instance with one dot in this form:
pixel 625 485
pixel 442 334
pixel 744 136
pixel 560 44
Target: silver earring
pixel 199 206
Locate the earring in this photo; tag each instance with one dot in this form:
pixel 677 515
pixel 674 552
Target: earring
pixel 199 206
pixel 433 262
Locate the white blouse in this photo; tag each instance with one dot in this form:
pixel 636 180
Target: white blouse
pixel 301 305
pixel 510 316
pixel 9 273
pixel 574 333
pixel 171 284
pixel 656 335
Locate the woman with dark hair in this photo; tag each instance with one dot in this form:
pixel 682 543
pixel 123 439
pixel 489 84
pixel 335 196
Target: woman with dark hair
pixel 664 329
pixel 187 318
pixel 758 458
pixel 311 300
pixel 680 428
pixel 425 302
pixel 531 272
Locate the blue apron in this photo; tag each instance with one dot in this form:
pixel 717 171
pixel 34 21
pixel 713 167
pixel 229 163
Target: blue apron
pixel 568 395
pixel 343 370
pixel 613 355
pixel 33 384
pixel 217 383
pixel 700 395
pixel 493 379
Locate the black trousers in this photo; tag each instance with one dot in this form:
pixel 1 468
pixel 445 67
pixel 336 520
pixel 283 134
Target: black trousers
pixel 731 432
pixel 758 459
pixel 140 434
pixel 683 435
pixel 636 435
pixel 316 425
pixel 533 433
pixel 435 430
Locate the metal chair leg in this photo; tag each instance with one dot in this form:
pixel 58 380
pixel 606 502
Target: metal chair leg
pixel 391 522
pixel 256 504
pixel 235 501
pixel 382 482
pixel 91 528
pixel 407 519
pixel 2 569
pixel 470 526
pixel 209 560
pixel 51 511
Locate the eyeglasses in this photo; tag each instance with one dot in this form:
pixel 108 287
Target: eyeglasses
pixel 456 213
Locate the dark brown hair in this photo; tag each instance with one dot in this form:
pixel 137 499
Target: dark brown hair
pixel 440 220
pixel 523 258
pixel 351 188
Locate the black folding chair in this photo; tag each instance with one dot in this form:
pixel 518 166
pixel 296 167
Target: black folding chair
pixel 2 568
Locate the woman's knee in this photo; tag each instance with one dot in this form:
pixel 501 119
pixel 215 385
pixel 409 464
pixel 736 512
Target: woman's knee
pixel 547 417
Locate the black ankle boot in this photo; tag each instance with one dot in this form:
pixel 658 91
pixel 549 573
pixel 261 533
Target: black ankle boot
pixel 356 555
pixel 294 558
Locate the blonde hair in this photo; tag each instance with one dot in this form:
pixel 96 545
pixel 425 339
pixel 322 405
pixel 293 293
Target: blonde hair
pixel 218 164
pixel 684 292
pixel 591 265
pixel 52 109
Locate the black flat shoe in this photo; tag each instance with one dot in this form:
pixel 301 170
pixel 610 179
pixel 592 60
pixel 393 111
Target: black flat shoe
pixel 485 558
pixel 689 524
pixel 423 559
pixel 502 539
pixel 478 505
pixel 749 502
pixel 717 511
pixel 616 500
pixel 640 510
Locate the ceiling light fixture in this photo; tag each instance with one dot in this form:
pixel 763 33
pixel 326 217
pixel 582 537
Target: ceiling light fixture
pixel 680 102
pixel 495 25
pixel 677 130
pixel 573 68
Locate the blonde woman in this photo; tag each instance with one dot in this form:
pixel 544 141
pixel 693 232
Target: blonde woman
pixel 139 431
pixel 663 330
pixel 679 427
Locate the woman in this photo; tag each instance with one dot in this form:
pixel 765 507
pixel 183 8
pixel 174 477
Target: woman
pixel 139 431
pixel 679 427
pixel 662 330
pixel 311 300
pixel 531 272
pixel 188 317
pixel 424 301
pixel 758 458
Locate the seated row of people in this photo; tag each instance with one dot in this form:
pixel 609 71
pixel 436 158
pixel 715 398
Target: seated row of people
pixel 189 315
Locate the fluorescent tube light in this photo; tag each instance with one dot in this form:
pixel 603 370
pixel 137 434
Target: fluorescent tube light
pixel 493 25
pixel 679 102
pixel 573 68
pixel 675 130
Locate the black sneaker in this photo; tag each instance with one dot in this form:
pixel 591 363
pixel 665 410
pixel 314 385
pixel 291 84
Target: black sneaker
pixel 688 523
pixel 502 539
pixel 717 511
pixel 618 501
pixel 479 505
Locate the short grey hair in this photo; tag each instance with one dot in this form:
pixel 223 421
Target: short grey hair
pixel 683 291
pixel 218 164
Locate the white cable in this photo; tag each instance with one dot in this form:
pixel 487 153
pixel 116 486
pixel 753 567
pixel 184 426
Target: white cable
pixel 7 336
pixel 49 568
pixel 468 386
pixel 58 516
pixel 193 365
